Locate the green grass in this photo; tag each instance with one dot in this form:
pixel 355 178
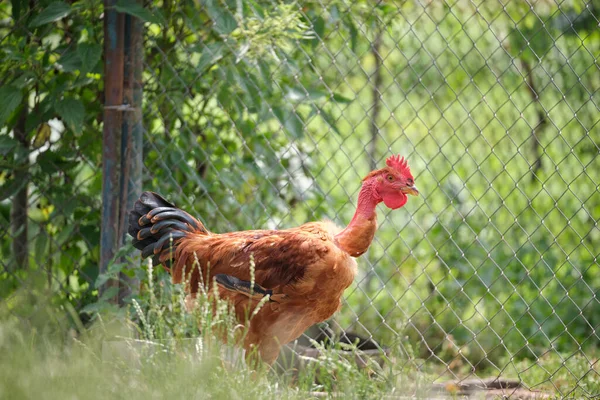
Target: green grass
pixel 566 375
pixel 153 349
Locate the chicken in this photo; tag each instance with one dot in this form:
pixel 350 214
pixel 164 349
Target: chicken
pixel 304 270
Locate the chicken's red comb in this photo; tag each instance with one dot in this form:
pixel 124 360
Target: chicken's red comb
pixel 398 163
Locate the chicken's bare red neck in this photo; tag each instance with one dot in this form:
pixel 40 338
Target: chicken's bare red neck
pixel 359 233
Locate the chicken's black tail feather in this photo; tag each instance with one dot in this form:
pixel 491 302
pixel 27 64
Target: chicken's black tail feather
pixel 157 227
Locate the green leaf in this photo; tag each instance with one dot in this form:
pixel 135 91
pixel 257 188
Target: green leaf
pixel 210 55
pixel 297 95
pixel 91 234
pixel 11 186
pixel 24 79
pixel 135 9
pixel 72 113
pixel 387 9
pixel 109 294
pixel 341 99
pixel 291 121
pixel 102 279
pixel 334 12
pixel 7 144
pixel 51 162
pixel 251 87
pixel 257 9
pixel 123 251
pixel 91 308
pixel 10 98
pixel 353 32
pixel 319 29
pixel 90 272
pixel 16 8
pixel 70 61
pixel 64 234
pixel 42 135
pixel 41 243
pixel 89 54
pixel 54 12
pixel 328 119
pixel 312 95
pixel 224 23
pixel 294 125
pixel 112 273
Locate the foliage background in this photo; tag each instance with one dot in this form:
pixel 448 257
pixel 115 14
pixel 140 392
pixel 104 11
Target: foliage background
pixel 268 114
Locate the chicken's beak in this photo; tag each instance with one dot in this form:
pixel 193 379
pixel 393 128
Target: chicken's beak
pixel 410 190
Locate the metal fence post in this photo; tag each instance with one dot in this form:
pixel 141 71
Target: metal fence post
pixel 114 24
pixel 122 134
pixel 131 141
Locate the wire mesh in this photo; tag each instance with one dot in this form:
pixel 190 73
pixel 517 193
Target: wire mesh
pixel 268 115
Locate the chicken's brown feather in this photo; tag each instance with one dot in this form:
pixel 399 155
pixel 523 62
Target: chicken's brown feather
pixel 281 258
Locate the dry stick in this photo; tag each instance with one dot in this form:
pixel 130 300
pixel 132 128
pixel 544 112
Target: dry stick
pixel 201 284
pixel 252 273
pixel 153 303
pixel 151 281
pixel 376 95
pixel 142 317
pixel 187 286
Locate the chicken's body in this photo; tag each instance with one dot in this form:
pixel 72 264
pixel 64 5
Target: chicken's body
pixel 305 269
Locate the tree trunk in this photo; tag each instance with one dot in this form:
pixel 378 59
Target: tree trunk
pixel 20 201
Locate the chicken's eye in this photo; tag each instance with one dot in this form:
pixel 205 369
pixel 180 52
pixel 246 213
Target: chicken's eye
pixel 390 178
pixel 410 182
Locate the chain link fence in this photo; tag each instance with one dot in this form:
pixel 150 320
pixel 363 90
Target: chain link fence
pixel 265 114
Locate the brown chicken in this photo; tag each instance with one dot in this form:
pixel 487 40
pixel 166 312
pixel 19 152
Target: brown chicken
pixel 304 270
